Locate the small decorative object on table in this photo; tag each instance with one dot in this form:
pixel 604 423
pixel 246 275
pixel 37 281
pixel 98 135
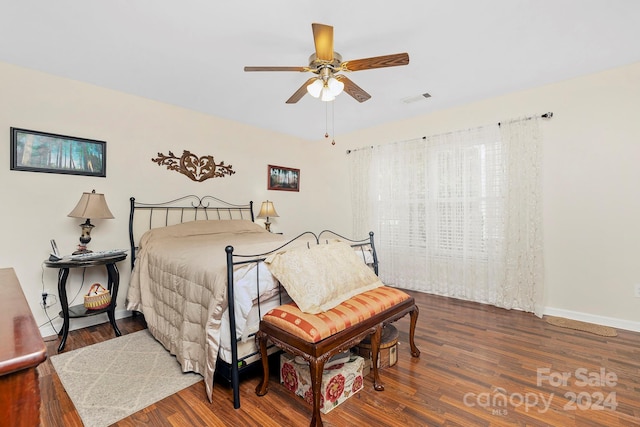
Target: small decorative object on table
pixel 97 298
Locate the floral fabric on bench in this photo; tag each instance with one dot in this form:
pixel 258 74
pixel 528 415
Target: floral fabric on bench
pixel 316 327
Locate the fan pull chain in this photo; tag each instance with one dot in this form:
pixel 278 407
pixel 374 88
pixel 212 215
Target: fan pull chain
pixel 333 123
pixel 326 120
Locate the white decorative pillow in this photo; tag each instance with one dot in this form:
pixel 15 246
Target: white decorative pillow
pixel 245 281
pixel 320 278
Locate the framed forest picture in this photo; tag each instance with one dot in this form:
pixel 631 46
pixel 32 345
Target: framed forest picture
pixel 281 178
pixel 47 152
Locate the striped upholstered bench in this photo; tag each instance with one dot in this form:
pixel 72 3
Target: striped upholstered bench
pixel 318 337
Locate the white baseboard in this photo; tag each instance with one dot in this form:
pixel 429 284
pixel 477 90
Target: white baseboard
pixel 591 318
pixel 80 322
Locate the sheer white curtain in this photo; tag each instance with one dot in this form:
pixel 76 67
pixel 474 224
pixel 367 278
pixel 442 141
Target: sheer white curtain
pixel 457 214
pixel 523 283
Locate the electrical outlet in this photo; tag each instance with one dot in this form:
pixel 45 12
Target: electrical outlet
pixel 47 299
pixel 637 290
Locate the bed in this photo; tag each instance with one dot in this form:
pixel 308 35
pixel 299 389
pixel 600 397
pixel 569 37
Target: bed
pixel 192 255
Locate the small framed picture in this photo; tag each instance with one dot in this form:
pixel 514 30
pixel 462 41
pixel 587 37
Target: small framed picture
pixel 47 152
pixel 284 179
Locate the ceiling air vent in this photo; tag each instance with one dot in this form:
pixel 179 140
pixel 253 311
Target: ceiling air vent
pixel 417 98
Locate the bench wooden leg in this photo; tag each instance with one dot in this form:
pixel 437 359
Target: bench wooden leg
pixel 375 349
pixel 316 367
pixel 263 386
pixel 412 331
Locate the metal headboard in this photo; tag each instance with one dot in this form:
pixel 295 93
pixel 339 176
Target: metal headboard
pixel 145 216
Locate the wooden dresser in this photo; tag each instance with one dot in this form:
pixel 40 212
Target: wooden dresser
pixel 22 349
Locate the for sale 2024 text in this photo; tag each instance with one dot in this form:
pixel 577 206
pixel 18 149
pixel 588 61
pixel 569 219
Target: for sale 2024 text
pixel 582 377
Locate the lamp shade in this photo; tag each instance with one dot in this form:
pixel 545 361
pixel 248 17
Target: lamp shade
pixel 335 86
pixel 91 205
pixel 267 210
pixel 327 95
pixel 315 88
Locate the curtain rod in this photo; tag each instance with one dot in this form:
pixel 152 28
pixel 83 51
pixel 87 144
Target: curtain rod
pixel 546 115
pixel 358 149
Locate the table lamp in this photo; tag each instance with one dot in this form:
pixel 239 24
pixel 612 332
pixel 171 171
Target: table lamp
pixel 267 210
pixel 91 205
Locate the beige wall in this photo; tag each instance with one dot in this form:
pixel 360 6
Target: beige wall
pixel 591 185
pixel 34 206
pixel 591 178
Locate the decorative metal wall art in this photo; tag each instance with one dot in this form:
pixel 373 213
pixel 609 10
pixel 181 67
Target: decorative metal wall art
pixel 196 168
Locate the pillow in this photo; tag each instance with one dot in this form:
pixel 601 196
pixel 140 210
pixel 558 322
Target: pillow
pixel 322 277
pixel 201 227
pixel 249 283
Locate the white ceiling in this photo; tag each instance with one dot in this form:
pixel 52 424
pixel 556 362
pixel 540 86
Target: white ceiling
pixel 191 53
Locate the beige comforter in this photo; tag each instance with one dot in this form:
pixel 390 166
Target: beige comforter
pixel 179 284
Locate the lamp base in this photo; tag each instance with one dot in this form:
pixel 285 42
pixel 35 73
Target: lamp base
pixel 85 238
pixel 267 226
pixel 81 250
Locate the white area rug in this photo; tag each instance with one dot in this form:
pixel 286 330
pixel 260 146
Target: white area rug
pixel 113 379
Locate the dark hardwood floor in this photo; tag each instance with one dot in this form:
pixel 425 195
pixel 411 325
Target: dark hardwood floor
pixel 480 366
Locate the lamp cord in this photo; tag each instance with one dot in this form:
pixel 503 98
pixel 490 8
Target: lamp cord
pixel 45 307
pixel 84 270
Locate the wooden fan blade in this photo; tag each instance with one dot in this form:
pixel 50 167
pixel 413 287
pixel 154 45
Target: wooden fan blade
pixel 353 89
pixel 323 39
pixel 302 91
pixel 276 68
pixel 376 62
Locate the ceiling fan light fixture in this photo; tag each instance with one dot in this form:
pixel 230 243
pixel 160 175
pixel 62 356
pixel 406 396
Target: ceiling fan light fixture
pixel 315 88
pixel 335 86
pixel 327 95
pixel 325 63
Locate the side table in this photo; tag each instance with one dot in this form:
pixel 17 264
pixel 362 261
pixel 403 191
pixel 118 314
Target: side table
pixel 75 311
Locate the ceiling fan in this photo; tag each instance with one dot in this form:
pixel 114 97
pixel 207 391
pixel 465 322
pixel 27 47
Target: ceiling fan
pixel 327 65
